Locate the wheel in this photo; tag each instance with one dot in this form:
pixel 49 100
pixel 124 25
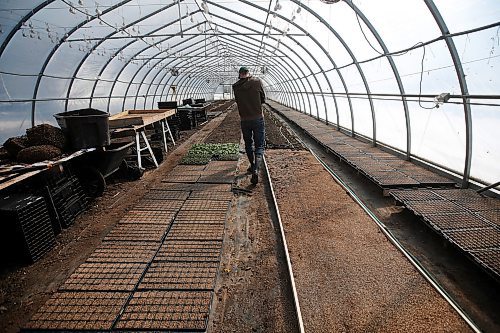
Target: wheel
pixel 92 181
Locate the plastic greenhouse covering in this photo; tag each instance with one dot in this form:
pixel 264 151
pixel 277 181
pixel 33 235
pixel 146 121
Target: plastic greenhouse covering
pixel 419 76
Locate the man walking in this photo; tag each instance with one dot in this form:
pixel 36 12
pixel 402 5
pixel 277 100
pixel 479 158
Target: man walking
pixel 249 96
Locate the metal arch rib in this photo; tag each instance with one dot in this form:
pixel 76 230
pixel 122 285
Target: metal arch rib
pixel 147 75
pixel 290 49
pixel 272 75
pixel 463 87
pixel 20 24
pixel 105 65
pixel 124 47
pixel 125 65
pixel 185 77
pixel 314 59
pixel 305 49
pixel 253 39
pixel 184 41
pixel 204 76
pixel 356 63
pixel 266 44
pixel 298 67
pixel 394 70
pixel 56 47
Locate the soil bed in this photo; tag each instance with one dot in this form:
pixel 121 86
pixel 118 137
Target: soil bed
pixel 229 129
pixel 348 276
pixel 277 134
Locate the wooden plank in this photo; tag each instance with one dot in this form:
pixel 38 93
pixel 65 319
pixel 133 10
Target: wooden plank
pixel 19 178
pixel 139 118
pixel 148 111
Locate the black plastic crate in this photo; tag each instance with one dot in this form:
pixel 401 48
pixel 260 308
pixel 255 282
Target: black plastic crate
pixel 68 199
pixel 70 209
pixel 26 229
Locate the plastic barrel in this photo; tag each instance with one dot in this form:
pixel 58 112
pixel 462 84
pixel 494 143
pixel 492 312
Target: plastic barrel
pixel 85 128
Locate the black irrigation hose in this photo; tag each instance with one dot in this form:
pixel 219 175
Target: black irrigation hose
pixel 390 236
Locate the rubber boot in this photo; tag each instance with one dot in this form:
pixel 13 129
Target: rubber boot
pixel 251 159
pixel 255 173
pixel 251 168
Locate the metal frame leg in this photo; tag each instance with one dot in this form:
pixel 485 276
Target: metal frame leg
pixel 140 149
pixel 164 137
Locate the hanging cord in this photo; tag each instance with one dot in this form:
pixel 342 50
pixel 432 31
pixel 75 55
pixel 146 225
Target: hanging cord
pixel 364 35
pixel 420 85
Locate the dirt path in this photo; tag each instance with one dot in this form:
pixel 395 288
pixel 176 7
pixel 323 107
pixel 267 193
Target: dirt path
pixel 349 277
pixel 251 290
pixel 24 290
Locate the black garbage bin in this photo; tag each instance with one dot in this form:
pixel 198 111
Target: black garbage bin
pixel 85 128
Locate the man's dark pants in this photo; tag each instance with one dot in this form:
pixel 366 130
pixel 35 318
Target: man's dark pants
pixel 254 137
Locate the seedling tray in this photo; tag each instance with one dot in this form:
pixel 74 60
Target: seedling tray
pixel 178 275
pixel 189 251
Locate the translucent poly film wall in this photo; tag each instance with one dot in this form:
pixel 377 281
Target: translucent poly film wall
pixel 372 67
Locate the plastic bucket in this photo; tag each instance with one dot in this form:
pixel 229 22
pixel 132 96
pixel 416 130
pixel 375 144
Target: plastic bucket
pixel 85 128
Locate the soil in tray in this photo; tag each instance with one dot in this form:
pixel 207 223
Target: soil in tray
pixel 277 134
pixel 228 130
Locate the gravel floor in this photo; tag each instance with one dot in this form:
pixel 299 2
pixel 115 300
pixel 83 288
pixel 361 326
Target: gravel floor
pixel 349 277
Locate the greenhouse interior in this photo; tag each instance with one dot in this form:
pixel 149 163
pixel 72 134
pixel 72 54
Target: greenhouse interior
pixel 249 166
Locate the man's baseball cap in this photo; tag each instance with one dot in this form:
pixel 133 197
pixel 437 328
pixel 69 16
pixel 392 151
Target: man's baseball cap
pixel 243 69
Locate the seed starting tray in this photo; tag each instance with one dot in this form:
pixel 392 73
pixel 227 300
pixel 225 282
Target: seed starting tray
pixel 166 195
pixel 475 239
pixel 137 233
pixel 26 219
pixel 105 277
pixel 167 311
pixel 491 215
pixel 440 207
pixel 78 311
pixel 414 195
pixel 201 216
pixel 456 221
pixel 205 205
pixel 179 275
pixel 124 252
pixel 188 168
pixel 221 165
pixel 163 217
pixel 393 179
pixel 209 195
pixel 196 231
pixel 181 178
pixel 189 251
pixel 216 179
pixel 364 157
pixel 164 186
pixel 212 187
pixel 489 258
pixel 458 194
pixel 480 204
pixel 189 173
pixel 164 205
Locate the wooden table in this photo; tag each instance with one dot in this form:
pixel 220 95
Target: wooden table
pixel 136 121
